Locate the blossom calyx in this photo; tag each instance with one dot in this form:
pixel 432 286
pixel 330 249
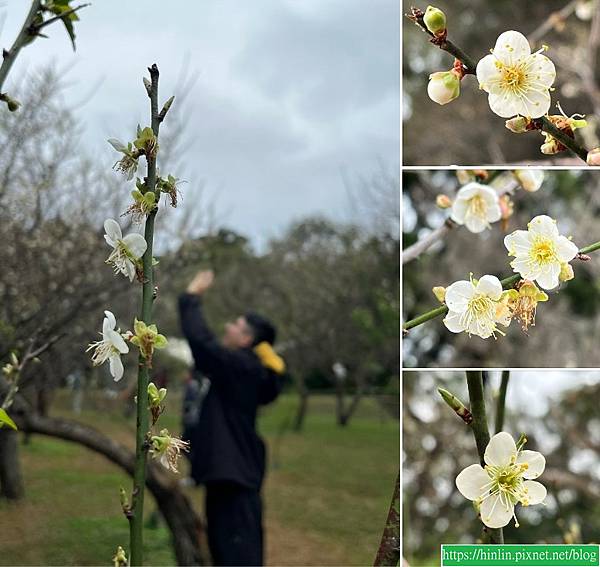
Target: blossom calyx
pixel 440 293
pixel 147 338
pixel 146 142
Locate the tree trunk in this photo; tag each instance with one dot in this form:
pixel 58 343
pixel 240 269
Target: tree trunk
pixel 186 526
pixel 302 406
pixel 388 553
pixel 11 480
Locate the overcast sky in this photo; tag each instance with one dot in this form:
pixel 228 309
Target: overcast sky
pixel 289 92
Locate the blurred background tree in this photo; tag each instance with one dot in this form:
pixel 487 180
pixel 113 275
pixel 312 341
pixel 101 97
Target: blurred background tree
pixel 565 326
pixel 437 445
pixel 466 131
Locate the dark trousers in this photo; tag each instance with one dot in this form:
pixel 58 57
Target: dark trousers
pixel 234 524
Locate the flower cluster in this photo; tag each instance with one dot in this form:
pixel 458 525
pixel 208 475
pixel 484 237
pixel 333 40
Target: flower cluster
pixel 167 449
pixel 127 252
pixel 111 347
pixel 541 256
pixel 505 481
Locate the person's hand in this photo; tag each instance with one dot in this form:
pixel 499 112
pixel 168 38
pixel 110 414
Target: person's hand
pixel 201 282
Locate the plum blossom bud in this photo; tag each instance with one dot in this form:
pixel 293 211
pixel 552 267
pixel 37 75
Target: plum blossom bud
pixel 518 124
pixel 440 293
pixel 456 405
pixel 465 176
pixel 530 179
pixel 443 87
pixel 593 157
pixel 443 201
pixel 435 21
pixel 566 272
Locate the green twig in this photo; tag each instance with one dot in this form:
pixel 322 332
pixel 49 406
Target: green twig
pixel 143 420
pixel 481 433
pixel 501 400
pixel 22 40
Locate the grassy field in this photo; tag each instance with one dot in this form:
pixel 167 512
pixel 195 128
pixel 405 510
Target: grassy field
pixel 326 494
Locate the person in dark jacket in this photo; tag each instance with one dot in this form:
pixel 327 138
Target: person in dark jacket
pixel 240 372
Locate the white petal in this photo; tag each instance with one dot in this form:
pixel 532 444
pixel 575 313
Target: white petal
pixel 109 322
pixel 518 243
pixel 500 449
pixel 459 210
pixel 536 492
pixel 473 482
pixel 470 190
pixel 113 232
pixel 536 462
pixel 541 70
pixel 490 286
pixel 488 74
pixel 453 322
pixel 504 104
pixel 118 342
pixel 136 244
pixel 527 270
pixel 129 269
pixel 543 225
pixel 533 103
pixel 548 279
pixel 496 511
pixel 476 224
pixel 511 46
pixel 565 249
pixel 458 295
pixel 117 144
pixel 494 213
pixel 116 367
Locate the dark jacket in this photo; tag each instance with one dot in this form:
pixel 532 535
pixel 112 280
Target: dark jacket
pixel 224 443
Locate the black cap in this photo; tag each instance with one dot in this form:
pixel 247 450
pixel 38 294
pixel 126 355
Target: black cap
pixel 262 328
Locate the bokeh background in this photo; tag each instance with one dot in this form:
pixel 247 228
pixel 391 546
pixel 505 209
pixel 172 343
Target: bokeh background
pixel 557 410
pixel 284 129
pixel 466 132
pixel 566 326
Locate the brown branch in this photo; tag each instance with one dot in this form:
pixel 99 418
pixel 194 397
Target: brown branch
pixel 388 553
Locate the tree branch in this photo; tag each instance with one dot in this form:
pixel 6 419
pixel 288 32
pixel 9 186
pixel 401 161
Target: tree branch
pixel 501 400
pixel 388 553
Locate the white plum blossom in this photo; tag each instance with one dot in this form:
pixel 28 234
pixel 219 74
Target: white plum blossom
pixel 476 307
pixel 167 449
pixel 110 348
pixel 126 251
pixel 505 481
pixel 530 179
pixel 518 81
pixel 540 252
pixel 476 206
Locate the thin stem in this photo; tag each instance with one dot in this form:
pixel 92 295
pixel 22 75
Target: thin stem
pixel 480 430
pixel 389 547
pixel 546 126
pixel 143 419
pixel 506 284
pixel 22 39
pixel 501 400
pixel 61 16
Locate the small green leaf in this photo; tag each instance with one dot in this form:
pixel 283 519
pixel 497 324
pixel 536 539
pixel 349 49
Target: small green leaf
pixel 5 419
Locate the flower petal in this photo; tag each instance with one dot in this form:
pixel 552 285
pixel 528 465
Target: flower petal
pixel 518 242
pixel 543 225
pixel 488 74
pixel 490 286
pixel 541 70
pixel 473 482
pixel 470 190
pixel 500 449
pixel 118 342
pixel 475 224
pixel 116 367
pixel 109 322
pixel 459 210
pixel 496 511
pixel 549 278
pixel 136 244
pixel 511 46
pixel 565 249
pixel 536 493
pixel 113 232
pixel 504 104
pixel 453 322
pixel 536 462
pixel 458 295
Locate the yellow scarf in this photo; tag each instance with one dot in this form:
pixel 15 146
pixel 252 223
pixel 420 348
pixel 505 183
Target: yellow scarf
pixel 269 358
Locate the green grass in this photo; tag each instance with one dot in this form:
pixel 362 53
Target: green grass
pixel 326 494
